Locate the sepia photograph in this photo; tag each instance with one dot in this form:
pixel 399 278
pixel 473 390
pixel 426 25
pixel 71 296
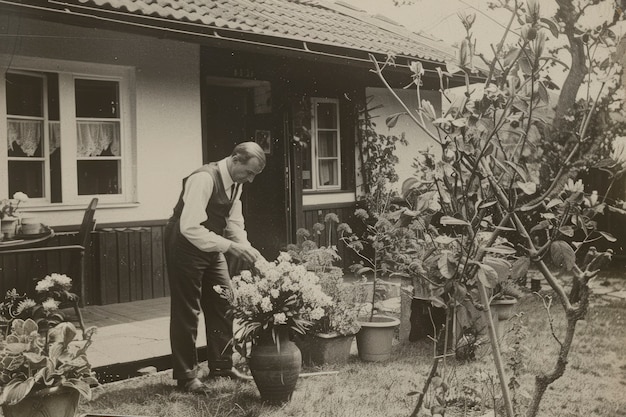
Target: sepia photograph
pixel 324 208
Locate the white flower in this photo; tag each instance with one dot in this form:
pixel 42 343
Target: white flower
pixel 25 305
pixel 274 293
pixel 20 196
pixel 280 318
pixel 218 289
pixel 62 280
pixel 317 313
pixel 266 305
pixel 50 304
pixel 284 257
pixel 44 285
pixel 619 150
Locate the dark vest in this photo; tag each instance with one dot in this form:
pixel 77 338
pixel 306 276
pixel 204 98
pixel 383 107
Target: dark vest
pixel 219 204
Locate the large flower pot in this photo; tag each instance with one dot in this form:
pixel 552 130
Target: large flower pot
pixel 501 311
pixel 375 338
pixel 48 402
pixel 275 371
pixel 326 349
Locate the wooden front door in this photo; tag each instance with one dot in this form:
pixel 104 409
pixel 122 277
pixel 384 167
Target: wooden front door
pixel 230 116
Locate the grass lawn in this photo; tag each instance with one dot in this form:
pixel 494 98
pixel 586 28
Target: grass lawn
pixel 593 384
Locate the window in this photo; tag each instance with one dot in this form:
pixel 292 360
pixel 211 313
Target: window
pixel 68 137
pixel 324 164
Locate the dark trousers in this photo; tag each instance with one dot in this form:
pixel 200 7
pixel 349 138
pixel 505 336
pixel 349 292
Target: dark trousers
pixel 192 275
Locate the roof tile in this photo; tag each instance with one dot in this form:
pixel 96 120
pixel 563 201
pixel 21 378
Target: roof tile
pixel 310 21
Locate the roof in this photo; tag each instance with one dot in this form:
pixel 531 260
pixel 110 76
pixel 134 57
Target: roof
pixel 313 22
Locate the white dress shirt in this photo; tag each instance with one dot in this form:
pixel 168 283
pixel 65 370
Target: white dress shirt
pixel 198 191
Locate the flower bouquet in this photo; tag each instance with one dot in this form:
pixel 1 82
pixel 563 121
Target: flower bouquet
pixel 270 304
pixel 272 297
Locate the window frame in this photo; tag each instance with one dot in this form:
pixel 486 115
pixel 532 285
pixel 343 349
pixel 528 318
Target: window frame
pixel 315 158
pixel 67 72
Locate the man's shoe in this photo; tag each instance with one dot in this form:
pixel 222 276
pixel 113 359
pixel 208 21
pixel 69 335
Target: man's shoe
pixel 192 385
pixel 231 373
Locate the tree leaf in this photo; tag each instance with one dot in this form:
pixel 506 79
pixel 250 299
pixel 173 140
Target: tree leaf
pixel 487 275
pixel 552 26
pixel 449 220
pixel 529 188
pixel 567 230
pixel 608 236
pixel 393 119
pixel 562 255
pixel 501 249
pixel 520 268
pixel 554 202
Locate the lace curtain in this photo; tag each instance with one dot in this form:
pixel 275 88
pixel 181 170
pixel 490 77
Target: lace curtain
pixel 55 136
pixel 95 138
pixel 26 134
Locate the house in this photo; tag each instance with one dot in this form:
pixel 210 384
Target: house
pixel 121 99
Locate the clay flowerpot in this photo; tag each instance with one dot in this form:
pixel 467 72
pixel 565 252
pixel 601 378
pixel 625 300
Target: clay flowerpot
pixel 326 349
pixel 30 226
pixel 275 371
pixel 501 311
pixel 56 401
pixel 375 338
pixel 8 227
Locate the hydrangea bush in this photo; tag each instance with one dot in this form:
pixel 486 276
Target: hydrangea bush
pixel 274 296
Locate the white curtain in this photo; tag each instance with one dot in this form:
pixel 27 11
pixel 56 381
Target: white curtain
pixel 95 137
pixel 26 134
pixel 55 136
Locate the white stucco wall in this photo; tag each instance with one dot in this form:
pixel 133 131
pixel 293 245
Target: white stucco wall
pixel 417 139
pixel 165 108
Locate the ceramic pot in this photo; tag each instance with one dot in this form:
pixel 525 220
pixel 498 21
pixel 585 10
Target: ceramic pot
pixel 501 311
pixel 375 338
pixel 30 225
pixel 275 369
pixel 326 349
pixel 8 227
pixel 53 402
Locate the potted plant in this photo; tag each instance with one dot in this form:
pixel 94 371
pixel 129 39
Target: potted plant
pixel 43 369
pixel 373 247
pixel 329 340
pixel 270 304
pixel 9 218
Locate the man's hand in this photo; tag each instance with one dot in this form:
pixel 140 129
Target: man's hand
pixel 245 253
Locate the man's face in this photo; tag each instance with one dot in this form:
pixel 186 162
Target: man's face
pixel 246 171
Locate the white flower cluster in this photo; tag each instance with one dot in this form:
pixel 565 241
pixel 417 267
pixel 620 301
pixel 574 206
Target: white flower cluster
pixel 279 293
pixel 54 281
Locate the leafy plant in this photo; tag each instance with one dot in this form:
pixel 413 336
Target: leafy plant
pixel 30 361
pixel 497 217
pixel 315 251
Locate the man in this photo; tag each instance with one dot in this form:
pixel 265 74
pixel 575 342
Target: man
pixel 206 224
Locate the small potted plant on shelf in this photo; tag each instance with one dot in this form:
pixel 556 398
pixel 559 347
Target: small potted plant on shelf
pixel 42 366
pixel 9 217
pixel 329 340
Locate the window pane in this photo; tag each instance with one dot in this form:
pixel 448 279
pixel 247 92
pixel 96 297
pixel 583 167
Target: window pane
pixel 328 172
pixel 327 144
pixel 24 95
pixel 98 139
pixel 98 177
pixel 27 177
pixel 326 115
pixel 25 138
pixel 97 99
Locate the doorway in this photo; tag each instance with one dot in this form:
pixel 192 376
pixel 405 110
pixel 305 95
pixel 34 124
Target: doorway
pixel 235 111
